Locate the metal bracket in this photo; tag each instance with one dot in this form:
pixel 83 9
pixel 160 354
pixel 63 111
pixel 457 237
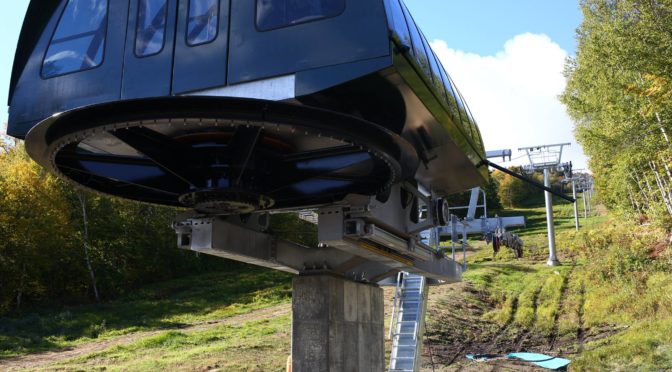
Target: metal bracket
pixel 364 239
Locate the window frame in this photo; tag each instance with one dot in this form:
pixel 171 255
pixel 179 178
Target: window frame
pixel 53 34
pixel 392 16
pixel 256 18
pixel 186 29
pixel 137 29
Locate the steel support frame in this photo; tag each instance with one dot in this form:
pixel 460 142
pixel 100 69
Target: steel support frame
pixel 487 225
pixel 352 235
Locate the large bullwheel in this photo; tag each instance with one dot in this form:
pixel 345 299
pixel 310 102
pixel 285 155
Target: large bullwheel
pixel 221 156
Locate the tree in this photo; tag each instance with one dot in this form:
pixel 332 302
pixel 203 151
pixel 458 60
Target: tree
pixel 64 245
pixel 512 191
pixel 87 243
pixel 619 94
pixel 492 198
pixel 35 226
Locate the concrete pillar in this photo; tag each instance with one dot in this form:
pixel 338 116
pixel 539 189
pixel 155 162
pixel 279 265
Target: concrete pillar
pixel 337 325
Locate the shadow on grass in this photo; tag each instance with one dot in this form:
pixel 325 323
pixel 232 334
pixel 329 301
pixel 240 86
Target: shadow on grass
pixel 165 305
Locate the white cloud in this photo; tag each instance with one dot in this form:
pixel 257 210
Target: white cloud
pixel 514 94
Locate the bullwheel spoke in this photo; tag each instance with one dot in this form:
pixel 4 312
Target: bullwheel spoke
pixel 172 156
pixel 240 150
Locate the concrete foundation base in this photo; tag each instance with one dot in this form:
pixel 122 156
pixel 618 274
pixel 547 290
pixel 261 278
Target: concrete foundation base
pixel 552 262
pixel 337 325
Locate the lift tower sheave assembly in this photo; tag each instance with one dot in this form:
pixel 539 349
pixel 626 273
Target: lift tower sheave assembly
pixel 236 110
pixel 544 158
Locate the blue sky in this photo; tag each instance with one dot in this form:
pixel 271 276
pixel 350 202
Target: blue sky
pixel 504 55
pixel 483 26
pixel 507 59
pixel 11 19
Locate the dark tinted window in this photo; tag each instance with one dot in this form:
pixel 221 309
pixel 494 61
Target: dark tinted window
pixel 151 30
pixel 280 13
pixel 79 41
pixel 436 71
pixel 418 48
pixel 475 134
pixel 398 22
pixel 450 96
pixel 466 120
pixel 203 21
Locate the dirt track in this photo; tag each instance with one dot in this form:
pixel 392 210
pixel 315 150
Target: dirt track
pixel 42 360
pixel 456 327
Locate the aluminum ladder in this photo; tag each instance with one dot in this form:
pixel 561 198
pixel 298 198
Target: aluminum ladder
pixel 407 325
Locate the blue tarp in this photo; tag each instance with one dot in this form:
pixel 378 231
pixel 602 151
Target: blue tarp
pixel 541 360
pixel 544 361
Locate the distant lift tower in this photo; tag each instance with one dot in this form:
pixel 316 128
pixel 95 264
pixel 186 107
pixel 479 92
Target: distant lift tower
pixel 573 181
pixel 544 158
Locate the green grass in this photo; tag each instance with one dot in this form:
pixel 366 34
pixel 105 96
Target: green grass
pixel 610 284
pixel 166 305
pixel 549 301
pixel 647 346
pixel 526 312
pixel 570 314
pixel 261 345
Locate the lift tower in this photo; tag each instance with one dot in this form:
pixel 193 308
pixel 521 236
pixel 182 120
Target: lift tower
pixel 573 181
pixel 544 158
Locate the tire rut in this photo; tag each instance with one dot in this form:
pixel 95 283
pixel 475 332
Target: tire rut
pixel 528 331
pixel 581 331
pixel 503 329
pixel 561 304
pixel 457 355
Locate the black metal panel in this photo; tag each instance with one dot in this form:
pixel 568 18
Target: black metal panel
pixel 37 19
pixel 35 98
pixel 371 96
pixel 200 66
pixel 148 76
pixel 397 22
pixel 319 79
pixel 357 34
